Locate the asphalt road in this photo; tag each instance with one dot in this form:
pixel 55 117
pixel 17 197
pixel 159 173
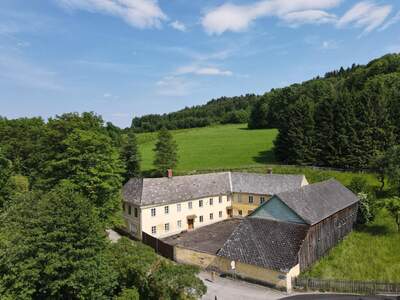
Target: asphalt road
pixel 339 297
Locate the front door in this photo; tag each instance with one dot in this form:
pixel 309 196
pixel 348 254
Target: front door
pixel 190 223
pixel 229 212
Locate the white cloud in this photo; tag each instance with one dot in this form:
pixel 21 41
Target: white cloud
pixel 137 13
pixel 367 15
pixel 309 17
pixel 391 22
pixel 209 71
pixel 231 17
pixel 173 86
pixel 178 26
pixel 329 45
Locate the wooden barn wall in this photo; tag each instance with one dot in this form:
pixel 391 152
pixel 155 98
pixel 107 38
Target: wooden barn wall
pixel 322 236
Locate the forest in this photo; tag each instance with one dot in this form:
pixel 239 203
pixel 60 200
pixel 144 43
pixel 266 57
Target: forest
pixel 224 110
pixel 345 120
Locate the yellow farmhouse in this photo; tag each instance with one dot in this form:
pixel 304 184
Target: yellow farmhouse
pixel 166 206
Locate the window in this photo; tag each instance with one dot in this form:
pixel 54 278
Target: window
pixel 179 223
pixel 240 212
pixel 251 199
pixel 211 201
pixel 166 209
pixel 166 226
pixel 201 219
pixel 136 212
pixel 262 200
pixel 190 205
pixel 153 229
pixel 129 210
pixel 220 199
pixel 178 207
pixel 220 214
pixel 153 212
pixel 200 203
pixel 211 216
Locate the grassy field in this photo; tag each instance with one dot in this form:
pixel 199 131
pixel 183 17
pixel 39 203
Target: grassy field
pixel 368 254
pixel 225 146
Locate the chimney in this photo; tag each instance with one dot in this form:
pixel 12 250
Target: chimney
pixel 169 171
pixel 269 171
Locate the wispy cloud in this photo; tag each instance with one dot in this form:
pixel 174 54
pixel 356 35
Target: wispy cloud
pixel 236 18
pixel 198 70
pixel 391 21
pixel 17 71
pixel 366 15
pixel 173 86
pixel 178 26
pixel 137 13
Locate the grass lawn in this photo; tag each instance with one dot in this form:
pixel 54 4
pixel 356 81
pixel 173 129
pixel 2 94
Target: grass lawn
pixel 215 147
pixel 368 254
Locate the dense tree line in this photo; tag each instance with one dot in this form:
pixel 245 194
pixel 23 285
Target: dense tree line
pixel 343 120
pixel 223 110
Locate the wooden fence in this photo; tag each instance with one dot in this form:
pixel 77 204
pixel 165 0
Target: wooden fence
pixel 159 246
pixel 346 286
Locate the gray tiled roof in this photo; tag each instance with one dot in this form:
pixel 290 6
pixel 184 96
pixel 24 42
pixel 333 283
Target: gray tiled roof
pixel 315 202
pixel 264 184
pixel 149 191
pixel 265 243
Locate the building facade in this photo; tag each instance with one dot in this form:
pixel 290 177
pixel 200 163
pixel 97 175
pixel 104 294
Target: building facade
pixel 166 206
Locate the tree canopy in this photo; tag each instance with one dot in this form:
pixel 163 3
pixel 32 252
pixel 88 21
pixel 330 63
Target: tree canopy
pixel 166 156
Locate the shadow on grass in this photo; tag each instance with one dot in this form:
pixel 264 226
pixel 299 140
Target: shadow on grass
pixel 374 229
pixel 265 157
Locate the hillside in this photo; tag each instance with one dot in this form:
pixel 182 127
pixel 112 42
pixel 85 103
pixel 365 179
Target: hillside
pixel 215 147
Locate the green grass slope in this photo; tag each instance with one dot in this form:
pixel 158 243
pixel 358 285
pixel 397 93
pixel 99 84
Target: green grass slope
pixel 215 147
pixel 368 254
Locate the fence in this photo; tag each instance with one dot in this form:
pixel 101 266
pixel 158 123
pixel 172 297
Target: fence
pixel 346 286
pixel 159 246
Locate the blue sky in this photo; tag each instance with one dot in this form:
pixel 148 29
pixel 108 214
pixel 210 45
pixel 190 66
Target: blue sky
pixel 125 58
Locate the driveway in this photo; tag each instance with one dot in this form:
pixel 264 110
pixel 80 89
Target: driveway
pixel 227 289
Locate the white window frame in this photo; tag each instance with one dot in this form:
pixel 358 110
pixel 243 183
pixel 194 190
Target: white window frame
pixel 166 210
pixel 153 212
pixel 262 199
pixel 200 203
pixel 251 199
pixel 178 207
pixel 211 216
pixel 153 229
pixel 211 201
pixel 179 223
pixel 220 199
pixel 220 213
pixel 201 219
pixel 166 227
pixel 190 205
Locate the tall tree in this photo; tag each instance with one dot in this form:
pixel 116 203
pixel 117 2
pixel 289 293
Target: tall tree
pixel 166 152
pixel 5 175
pixel 131 156
pixel 53 247
pixel 93 166
pixel 393 207
pixel 295 141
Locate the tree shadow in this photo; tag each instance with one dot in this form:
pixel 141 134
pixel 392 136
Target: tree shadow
pixel 374 229
pixel 265 157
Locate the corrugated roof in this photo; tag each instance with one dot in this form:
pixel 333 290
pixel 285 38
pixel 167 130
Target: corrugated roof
pixel 266 243
pixel 149 191
pixel 315 202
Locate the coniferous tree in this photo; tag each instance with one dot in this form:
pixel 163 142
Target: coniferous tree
pixel 296 140
pixel 131 156
pixel 166 152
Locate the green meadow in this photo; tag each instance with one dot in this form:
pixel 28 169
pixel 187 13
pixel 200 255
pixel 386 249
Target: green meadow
pixel 215 147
